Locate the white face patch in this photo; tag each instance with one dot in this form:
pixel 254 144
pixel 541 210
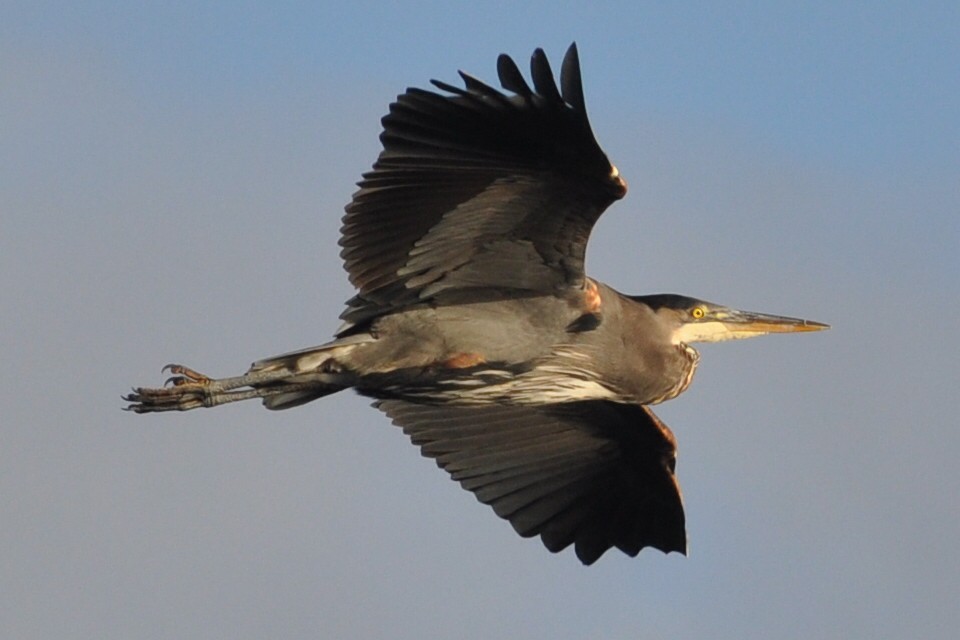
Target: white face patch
pixel 709 332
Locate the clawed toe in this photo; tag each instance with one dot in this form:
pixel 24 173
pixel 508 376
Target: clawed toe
pixel 184 375
pixel 181 397
pixel 184 390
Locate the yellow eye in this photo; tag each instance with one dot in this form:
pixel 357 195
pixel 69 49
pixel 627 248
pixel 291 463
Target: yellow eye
pixel 697 313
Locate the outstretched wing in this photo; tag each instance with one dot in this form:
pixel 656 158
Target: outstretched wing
pixel 477 190
pixel 593 474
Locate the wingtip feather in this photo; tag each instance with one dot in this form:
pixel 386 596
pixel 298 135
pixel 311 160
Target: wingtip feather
pixel 510 77
pixel 571 82
pixel 542 76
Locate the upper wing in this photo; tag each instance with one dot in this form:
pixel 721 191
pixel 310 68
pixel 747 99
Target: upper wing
pixel 478 190
pixel 594 474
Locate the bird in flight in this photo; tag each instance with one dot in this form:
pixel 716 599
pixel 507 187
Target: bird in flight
pixel 476 330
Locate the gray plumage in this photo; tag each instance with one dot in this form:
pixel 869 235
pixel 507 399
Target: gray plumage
pixel 477 331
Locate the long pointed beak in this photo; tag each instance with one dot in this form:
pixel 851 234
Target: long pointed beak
pixel 748 323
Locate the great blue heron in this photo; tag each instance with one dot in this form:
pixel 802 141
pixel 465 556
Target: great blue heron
pixel 477 331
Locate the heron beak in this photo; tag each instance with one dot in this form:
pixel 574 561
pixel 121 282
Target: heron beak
pixel 746 324
pixel 723 323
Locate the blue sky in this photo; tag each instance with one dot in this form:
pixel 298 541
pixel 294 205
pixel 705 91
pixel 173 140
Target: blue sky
pixel 171 182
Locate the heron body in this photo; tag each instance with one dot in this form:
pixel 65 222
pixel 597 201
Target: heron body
pixel 476 329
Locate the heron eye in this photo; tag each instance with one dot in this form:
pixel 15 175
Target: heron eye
pixel 698 313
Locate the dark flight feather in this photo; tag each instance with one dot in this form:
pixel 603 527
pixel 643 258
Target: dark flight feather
pixel 592 474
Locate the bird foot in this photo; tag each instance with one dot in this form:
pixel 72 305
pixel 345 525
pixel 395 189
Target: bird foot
pixel 184 390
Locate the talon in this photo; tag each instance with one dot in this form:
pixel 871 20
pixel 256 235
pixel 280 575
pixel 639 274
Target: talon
pixel 184 375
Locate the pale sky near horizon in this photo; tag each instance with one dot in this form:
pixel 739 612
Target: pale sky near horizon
pixel 172 177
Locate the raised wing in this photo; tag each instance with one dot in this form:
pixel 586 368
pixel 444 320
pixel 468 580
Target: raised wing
pixel 478 191
pixel 593 474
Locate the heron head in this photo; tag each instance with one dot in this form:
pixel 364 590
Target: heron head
pixel 690 320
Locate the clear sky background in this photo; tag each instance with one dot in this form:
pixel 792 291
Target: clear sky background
pixel 171 181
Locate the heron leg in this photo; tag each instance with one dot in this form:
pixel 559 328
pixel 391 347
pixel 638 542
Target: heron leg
pixel 187 389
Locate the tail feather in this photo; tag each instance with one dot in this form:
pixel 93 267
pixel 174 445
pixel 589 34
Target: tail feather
pixel 324 367
pixel 293 399
pixel 312 359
